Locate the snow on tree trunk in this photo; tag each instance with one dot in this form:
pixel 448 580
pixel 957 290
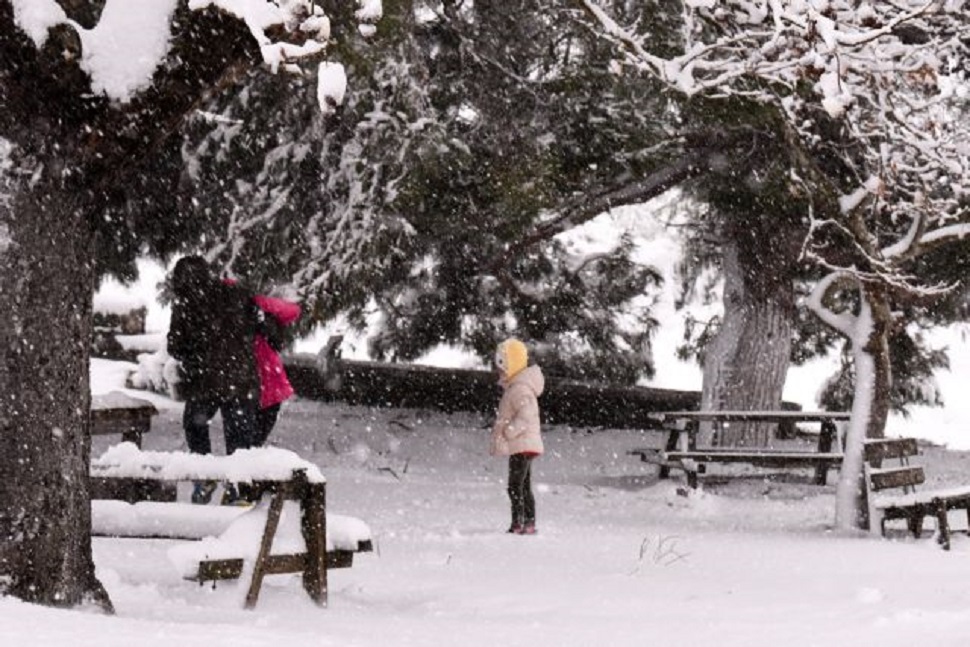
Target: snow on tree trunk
pixel 746 365
pixel 45 295
pixel 868 335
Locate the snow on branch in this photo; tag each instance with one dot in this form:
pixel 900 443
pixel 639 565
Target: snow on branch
pixel 855 327
pixel 302 18
pixel 132 37
pixel 881 85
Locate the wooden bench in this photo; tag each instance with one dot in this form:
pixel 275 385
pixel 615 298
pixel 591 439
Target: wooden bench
pixel 119 413
pixel 681 451
pixel 318 541
pixel 911 506
pixel 694 462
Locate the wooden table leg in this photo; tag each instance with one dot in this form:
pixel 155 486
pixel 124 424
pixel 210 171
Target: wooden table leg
pixel 672 439
pixel 825 440
pixel 313 508
pixel 942 523
pixel 259 567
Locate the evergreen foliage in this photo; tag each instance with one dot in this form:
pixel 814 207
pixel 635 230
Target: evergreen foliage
pixel 464 126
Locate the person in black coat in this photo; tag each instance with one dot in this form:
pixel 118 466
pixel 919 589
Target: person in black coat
pixel 211 335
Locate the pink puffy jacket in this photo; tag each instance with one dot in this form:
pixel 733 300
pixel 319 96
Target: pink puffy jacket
pixel 274 385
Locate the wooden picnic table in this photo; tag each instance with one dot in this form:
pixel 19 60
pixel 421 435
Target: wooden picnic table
pixel 119 413
pixel 125 472
pixel 681 451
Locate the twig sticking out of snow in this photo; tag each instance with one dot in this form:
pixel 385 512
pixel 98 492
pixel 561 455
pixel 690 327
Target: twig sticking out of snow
pixel 662 551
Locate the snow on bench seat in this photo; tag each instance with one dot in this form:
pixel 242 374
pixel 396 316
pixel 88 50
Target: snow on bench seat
pixel 767 457
pixel 923 497
pixel 241 539
pixel 126 460
pixel 163 520
pixel 189 521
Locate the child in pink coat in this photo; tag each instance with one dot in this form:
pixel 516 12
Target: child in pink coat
pixel 516 432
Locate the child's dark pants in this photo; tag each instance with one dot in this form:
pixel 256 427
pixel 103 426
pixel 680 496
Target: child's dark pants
pixel 520 490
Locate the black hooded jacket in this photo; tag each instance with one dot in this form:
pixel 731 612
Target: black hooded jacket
pixel 211 334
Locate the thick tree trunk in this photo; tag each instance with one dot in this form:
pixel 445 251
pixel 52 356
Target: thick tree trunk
pixel 746 364
pixel 46 286
pixel 71 149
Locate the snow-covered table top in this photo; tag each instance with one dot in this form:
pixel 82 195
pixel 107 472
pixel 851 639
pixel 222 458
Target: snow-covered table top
pixel 126 460
pixel 118 400
pixel 920 497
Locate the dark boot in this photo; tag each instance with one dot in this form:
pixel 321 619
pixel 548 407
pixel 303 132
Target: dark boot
pixel 202 491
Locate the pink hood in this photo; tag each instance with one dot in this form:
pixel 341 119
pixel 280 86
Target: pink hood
pixel 285 312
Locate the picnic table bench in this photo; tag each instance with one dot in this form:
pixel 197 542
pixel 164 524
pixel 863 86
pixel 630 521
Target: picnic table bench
pixel 911 506
pixel 681 452
pixel 288 531
pixel 119 413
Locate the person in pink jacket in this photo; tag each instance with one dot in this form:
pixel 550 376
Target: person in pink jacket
pixel 274 385
pixel 516 432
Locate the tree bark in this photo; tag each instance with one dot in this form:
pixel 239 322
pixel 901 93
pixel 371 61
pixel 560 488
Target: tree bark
pixel 45 296
pixel 746 364
pixel 63 149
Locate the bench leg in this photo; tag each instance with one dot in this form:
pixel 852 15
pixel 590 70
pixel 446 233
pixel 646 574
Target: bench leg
pixel 942 523
pixel 314 528
pixel 691 478
pixel 670 446
pixel 915 523
pixel 821 473
pixel 825 441
pixel 132 436
pixel 259 568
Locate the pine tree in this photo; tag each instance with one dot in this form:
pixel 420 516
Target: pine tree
pixel 461 130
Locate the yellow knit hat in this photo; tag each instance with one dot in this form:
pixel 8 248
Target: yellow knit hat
pixel 511 357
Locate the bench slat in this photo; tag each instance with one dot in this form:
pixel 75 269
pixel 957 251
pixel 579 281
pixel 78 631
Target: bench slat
pixel 882 449
pixel 881 479
pixel 230 569
pixel 132 490
pixel 764 458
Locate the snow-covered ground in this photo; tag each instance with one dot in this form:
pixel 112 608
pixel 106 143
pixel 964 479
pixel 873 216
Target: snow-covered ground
pixel 620 558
